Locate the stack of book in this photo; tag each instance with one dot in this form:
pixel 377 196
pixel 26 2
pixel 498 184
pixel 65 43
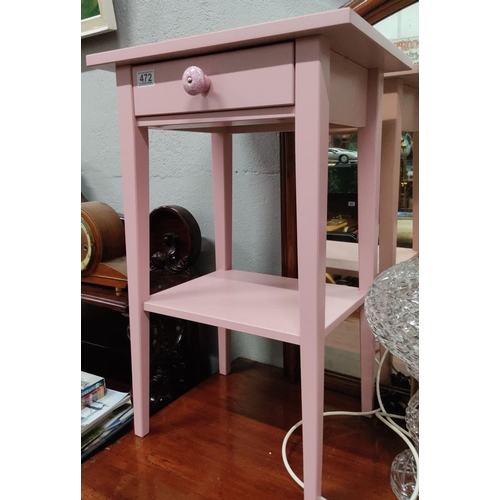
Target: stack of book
pixel 104 413
pixel 93 388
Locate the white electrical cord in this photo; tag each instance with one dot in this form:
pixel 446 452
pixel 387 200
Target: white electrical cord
pixel 380 413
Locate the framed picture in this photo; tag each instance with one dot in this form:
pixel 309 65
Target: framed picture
pixel 98 16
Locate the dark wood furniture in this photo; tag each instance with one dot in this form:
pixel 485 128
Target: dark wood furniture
pixel 179 359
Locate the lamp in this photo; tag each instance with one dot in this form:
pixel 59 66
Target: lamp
pixel 392 311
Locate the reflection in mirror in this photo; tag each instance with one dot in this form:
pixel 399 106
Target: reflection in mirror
pixel 343 191
pixel 342 347
pixel 402 29
pixel 397 20
pixel 342 208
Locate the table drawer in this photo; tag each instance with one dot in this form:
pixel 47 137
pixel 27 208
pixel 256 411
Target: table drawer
pixel 249 78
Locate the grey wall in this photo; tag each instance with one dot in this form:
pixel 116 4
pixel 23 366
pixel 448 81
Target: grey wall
pixel 180 162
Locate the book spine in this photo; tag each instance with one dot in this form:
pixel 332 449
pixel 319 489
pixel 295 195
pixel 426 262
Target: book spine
pixel 93 396
pixel 92 387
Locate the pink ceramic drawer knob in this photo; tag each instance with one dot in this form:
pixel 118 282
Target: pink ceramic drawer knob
pixel 195 81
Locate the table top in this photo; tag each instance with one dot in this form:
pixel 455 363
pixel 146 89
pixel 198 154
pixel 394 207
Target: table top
pixel 349 34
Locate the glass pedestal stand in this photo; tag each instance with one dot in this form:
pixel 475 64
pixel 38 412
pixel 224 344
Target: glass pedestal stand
pixel 404 468
pixel 392 311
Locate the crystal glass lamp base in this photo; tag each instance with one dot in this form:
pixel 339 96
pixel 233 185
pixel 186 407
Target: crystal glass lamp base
pixel 403 475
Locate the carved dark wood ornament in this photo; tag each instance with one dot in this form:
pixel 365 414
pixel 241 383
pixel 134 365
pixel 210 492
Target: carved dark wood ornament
pixel 169 259
pixel 167 360
pixel 175 244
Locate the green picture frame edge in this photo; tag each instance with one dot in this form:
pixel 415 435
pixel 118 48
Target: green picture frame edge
pixel 104 22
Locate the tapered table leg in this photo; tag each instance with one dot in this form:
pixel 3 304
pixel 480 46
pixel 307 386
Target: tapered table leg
pixel 222 166
pixel 134 149
pixel 369 150
pixel 311 128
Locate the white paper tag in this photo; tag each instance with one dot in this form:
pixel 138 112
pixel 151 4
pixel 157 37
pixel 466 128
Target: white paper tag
pixel 146 78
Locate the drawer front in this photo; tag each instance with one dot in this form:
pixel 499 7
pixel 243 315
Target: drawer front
pixel 248 78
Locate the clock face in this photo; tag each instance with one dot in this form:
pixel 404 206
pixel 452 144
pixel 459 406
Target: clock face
pixel 87 244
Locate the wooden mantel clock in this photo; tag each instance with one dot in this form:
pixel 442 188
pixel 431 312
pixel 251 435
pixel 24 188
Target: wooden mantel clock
pixel 103 246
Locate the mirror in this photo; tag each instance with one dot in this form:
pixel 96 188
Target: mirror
pixel 398 21
pixel 342 189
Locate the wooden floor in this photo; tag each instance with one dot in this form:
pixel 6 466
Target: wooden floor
pixel 222 440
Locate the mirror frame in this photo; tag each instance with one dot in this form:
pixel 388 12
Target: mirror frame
pixel 372 11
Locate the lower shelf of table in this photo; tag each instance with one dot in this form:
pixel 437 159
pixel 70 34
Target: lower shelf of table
pixel 258 304
pixel 342 257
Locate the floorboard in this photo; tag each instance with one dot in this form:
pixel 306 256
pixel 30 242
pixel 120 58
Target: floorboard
pixel 222 440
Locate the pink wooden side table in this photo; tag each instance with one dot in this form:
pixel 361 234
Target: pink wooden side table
pixel 310 75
